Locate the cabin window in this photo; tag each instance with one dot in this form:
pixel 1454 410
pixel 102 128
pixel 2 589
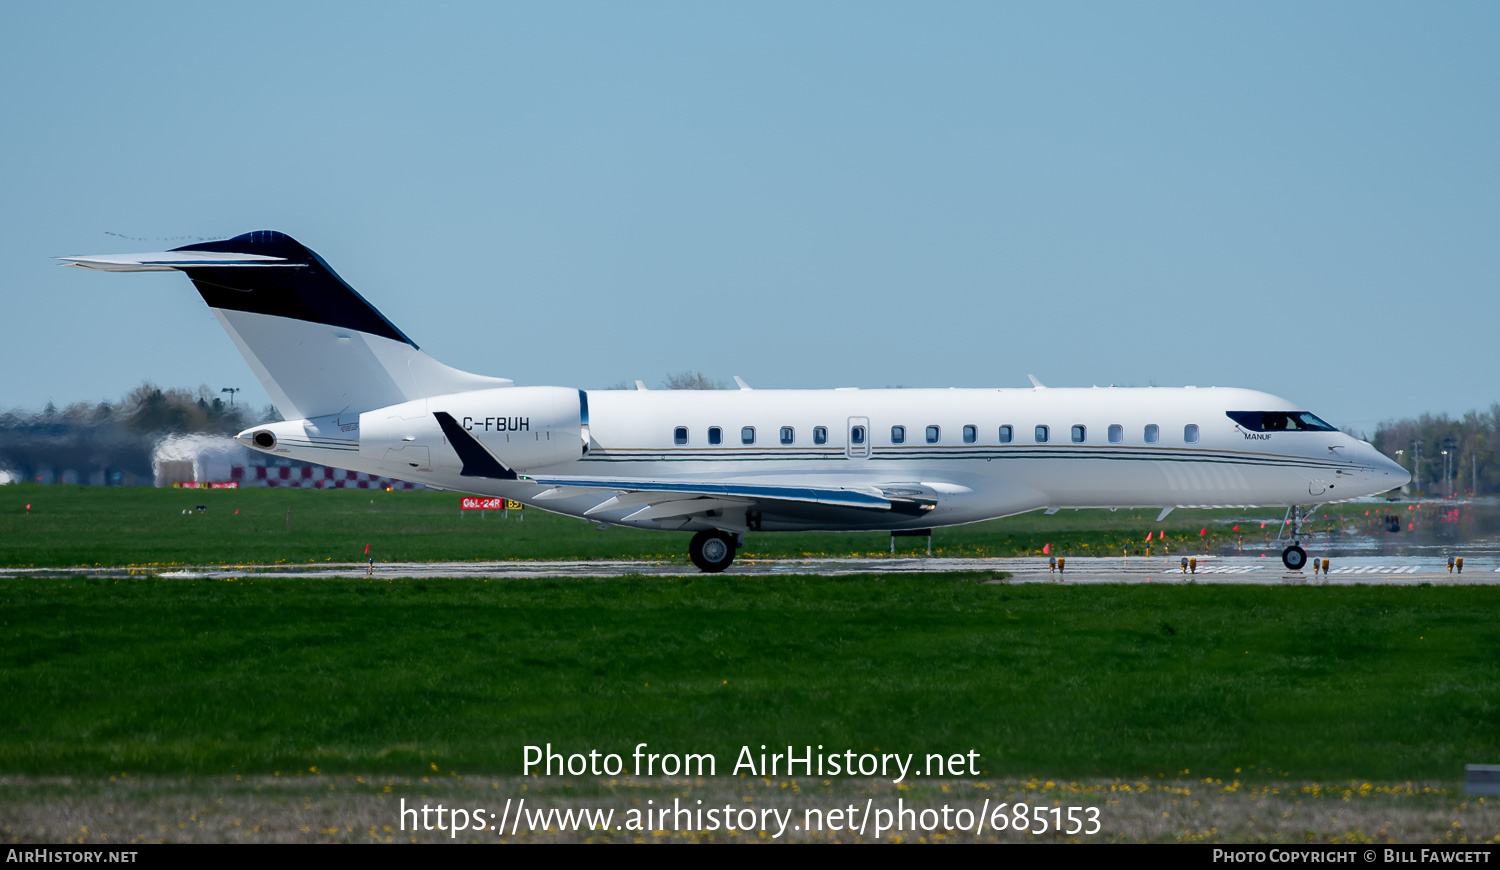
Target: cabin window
pixel 857 435
pixel 1005 434
pixel 715 435
pixel 820 434
pixel 933 433
pixel 679 435
pixel 971 434
pixel 1079 434
pixel 1116 433
pixel 1041 434
pixel 787 435
pixel 898 434
pixel 747 435
pixel 1153 433
pixel 1190 433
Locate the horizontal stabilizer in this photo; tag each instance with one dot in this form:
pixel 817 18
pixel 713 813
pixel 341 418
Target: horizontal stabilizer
pixel 171 261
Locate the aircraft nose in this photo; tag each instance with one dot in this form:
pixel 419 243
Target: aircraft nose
pixel 1388 470
pixel 1401 475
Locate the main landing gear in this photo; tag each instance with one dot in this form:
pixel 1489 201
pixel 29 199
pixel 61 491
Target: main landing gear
pixel 1294 557
pixel 712 551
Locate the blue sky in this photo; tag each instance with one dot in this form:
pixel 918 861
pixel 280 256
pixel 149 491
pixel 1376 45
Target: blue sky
pixel 1299 198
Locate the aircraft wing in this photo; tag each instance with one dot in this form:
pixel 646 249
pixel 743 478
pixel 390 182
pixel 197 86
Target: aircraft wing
pixel 663 498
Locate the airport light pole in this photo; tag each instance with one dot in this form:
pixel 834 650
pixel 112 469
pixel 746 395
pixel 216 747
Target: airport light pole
pixel 231 391
pixel 1450 459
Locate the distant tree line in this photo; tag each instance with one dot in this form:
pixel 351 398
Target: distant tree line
pixel 1472 443
pixel 114 439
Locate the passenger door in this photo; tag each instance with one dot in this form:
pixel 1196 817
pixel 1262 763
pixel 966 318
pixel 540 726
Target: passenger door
pixel 857 440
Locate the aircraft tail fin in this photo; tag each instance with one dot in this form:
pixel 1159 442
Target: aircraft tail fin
pixel 317 346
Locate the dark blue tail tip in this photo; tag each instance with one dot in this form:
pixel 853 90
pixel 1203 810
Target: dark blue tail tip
pixel 314 293
pixel 270 243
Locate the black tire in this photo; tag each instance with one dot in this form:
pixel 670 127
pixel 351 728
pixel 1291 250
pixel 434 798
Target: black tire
pixel 712 551
pixel 1294 558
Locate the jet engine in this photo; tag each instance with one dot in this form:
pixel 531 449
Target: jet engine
pixel 523 427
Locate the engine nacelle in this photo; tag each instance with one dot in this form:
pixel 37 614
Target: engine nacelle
pixel 524 427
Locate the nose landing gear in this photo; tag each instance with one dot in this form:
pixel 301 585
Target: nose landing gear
pixel 1294 557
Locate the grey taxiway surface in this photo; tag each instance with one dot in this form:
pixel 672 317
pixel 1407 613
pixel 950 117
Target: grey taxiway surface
pixel 1209 569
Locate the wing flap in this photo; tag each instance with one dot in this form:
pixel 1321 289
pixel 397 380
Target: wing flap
pixel 637 499
pixel 558 492
pixel 684 507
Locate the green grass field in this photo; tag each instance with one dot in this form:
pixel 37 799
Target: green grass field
pixel 161 676
pixel 166 676
pixel 86 526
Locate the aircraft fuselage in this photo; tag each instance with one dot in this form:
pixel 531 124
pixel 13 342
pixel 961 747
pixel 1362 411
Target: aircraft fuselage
pixel 977 453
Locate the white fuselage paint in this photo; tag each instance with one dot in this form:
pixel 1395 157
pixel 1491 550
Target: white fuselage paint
pixel 632 434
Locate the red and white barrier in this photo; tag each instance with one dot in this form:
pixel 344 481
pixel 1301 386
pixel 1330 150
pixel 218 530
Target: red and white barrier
pixel 308 477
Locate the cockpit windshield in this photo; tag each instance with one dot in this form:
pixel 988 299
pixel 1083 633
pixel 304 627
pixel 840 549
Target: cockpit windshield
pixel 1280 421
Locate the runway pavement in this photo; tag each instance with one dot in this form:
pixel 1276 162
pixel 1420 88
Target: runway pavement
pixel 1084 569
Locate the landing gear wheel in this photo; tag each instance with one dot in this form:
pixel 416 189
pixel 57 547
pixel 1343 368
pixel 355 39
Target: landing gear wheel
pixel 712 551
pixel 1294 558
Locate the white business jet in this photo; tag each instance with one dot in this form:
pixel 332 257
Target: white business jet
pixel 358 394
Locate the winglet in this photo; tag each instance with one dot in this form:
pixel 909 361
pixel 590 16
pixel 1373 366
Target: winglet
pixel 1164 511
pixel 641 385
pixel 478 462
pixel 1036 383
pixel 741 381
